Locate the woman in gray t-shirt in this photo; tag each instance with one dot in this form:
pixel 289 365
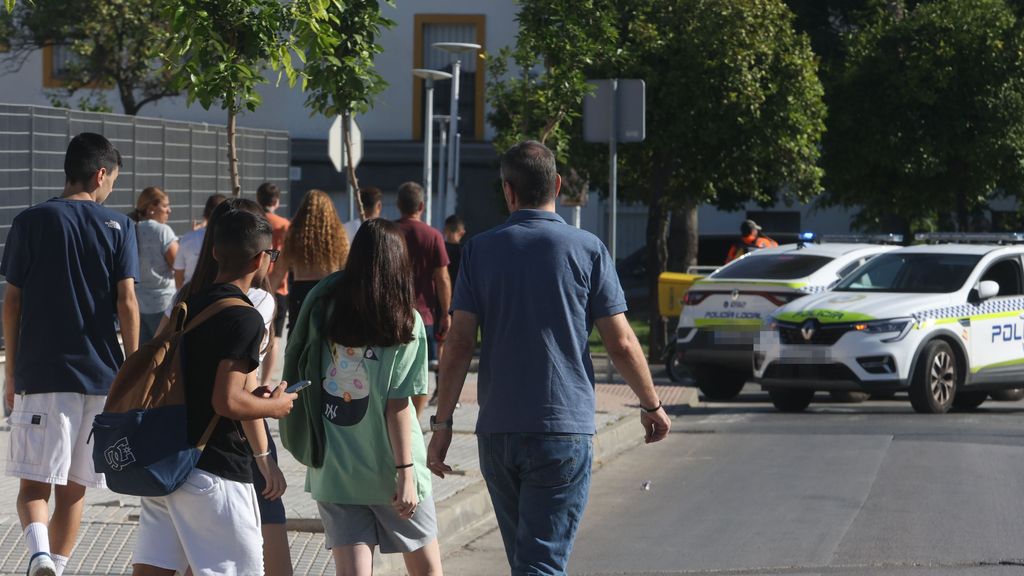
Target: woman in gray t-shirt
pixel 158 246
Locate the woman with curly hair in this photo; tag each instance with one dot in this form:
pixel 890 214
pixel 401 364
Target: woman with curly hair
pixel 315 247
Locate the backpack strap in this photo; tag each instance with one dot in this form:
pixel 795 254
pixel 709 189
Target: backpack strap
pixel 210 311
pixel 208 432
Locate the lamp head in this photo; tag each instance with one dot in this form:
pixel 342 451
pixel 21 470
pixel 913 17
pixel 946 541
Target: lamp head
pixel 428 74
pixel 457 47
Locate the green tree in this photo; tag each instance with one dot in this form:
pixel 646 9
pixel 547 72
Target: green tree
pixel 734 106
pixel 116 46
pixel 339 42
pixel 927 115
pixel 219 51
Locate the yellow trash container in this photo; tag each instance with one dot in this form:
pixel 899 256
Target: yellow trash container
pixel 671 288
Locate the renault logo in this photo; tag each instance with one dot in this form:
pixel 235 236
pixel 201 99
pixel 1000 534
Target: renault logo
pixel 808 329
pixel 735 294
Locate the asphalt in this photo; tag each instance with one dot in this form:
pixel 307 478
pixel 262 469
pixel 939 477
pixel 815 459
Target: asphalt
pixel 110 520
pixel 858 489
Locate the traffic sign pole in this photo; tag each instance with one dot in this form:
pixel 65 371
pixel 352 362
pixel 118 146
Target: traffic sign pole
pixel 614 112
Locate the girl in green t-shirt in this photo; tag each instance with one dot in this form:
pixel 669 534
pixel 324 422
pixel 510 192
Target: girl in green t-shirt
pixel 363 345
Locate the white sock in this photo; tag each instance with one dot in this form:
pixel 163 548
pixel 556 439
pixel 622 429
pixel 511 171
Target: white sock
pixel 37 539
pixel 61 562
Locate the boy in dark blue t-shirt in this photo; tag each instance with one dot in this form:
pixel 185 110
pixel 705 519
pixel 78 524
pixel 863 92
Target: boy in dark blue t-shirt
pixel 71 266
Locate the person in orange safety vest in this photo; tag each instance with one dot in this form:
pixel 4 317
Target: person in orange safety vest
pixel 750 240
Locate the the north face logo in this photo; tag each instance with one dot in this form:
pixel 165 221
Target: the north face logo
pixel 119 455
pixel 113 225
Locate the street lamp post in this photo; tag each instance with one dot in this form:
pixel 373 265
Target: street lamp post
pixel 429 76
pixel 456 49
pixel 442 143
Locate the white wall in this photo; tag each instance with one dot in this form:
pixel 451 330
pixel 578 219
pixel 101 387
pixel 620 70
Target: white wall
pixel 283 107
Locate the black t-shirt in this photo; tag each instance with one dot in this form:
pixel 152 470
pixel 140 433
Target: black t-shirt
pixel 454 257
pixel 234 333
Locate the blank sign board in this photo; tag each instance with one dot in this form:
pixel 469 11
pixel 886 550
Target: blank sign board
pixel 629 111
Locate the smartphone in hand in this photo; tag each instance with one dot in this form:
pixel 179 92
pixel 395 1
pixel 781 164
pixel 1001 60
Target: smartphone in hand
pixel 300 385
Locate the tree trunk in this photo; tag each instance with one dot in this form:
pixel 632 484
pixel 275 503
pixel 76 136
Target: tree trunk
pixel 657 257
pixel 683 238
pixel 350 165
pixel 128 102
pixel 236 184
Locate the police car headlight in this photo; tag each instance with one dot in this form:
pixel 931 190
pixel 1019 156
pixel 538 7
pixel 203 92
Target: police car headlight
pixel 898 327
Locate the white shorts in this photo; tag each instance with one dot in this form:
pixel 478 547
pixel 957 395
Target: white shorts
pixel 49 438
pixel 210 524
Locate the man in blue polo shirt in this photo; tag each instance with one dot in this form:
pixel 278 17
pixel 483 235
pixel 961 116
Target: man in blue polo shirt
pixel 536 286
pixel 71 266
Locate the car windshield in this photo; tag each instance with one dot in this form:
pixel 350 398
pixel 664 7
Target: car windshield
pixel 773 267
pixel 918 273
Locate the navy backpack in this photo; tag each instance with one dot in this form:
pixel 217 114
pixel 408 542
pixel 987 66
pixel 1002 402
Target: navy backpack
pixel 141 437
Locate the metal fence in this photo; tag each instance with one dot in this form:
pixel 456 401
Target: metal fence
pixel 187 160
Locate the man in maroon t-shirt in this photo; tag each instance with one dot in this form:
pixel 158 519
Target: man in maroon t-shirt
pixel 429 269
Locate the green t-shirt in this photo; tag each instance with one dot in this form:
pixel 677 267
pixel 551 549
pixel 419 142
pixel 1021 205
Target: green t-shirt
pixel 359 465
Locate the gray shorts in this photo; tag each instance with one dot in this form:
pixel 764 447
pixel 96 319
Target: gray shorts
pixel 378 525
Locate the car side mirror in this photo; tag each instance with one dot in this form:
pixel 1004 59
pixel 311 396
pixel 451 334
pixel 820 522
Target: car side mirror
pixel 987 289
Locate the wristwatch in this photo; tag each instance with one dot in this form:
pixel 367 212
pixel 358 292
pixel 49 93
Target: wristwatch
pixel 436 425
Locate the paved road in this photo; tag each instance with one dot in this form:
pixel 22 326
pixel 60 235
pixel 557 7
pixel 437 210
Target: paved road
pixel 843 489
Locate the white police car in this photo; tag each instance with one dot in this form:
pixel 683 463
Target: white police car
pixel 723 312
pixel 944 322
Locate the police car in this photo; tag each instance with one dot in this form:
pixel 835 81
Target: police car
pixel 722 313
pixel 945 322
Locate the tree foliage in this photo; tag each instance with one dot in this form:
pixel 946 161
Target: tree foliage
pixel 116 46
pixel 339 41
pixel 734 105
pixel 219 52
pixel 536 87
pixel 927 114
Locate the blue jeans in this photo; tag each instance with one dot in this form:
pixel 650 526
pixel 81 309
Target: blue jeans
pixel 539 485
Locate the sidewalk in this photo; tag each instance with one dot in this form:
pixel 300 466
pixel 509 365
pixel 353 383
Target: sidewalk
pixel 108 529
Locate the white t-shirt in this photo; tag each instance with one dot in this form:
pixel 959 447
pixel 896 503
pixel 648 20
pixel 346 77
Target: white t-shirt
pixel 189 247
pixel 266 305
pixel 351 227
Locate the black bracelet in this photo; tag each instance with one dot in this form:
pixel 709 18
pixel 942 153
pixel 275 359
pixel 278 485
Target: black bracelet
pixel 649 410
pixel 404 466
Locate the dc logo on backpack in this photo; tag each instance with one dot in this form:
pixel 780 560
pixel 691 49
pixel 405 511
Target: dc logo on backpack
pixel 119 455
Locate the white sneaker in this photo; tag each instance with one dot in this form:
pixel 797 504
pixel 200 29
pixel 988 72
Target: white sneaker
pixel 41 564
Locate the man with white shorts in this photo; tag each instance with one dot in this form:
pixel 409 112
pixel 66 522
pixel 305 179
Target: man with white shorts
pixel 71 266
pixel 211 524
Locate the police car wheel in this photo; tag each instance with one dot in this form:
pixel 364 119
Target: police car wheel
pixel 677 372
pixel 969 400
pixel 791 400
pixel 719 383
pixel 933 386
pixel 1011 395
pixel 848 396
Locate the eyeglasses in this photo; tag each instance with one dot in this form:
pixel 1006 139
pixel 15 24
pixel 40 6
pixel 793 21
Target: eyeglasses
pixel 274 254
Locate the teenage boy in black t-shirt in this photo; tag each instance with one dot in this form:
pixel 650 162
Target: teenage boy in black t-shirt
pixel 212 522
